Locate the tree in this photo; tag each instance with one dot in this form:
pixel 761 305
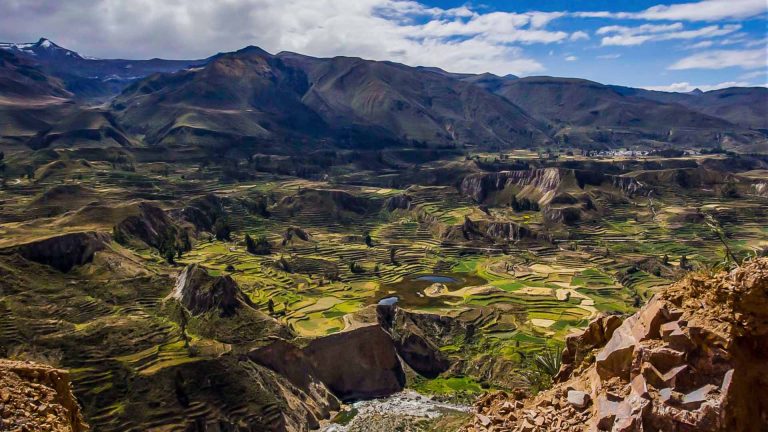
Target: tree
pixel 368 240
pixel 186 242
pixel 392 252
pixel 119 236
pixel 354 267
pixel 271 306
pixel 717 229
pixel 170 255
pixel 250 245
pixel 181 316
pixel 2 169
pixel 222 230
pixel 261 246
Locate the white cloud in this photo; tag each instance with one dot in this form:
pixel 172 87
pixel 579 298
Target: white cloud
pixel 628 36
pixel 721 59
pixel 609 56
pixel 762 74
pixel 496 27
pixel 579 35
pixel 460 39
pixel 707 10
pixel 685 87
pixel 700 45
pixel 571 58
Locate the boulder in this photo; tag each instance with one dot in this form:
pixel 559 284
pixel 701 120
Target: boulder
pixel 615 359
pixel 578 399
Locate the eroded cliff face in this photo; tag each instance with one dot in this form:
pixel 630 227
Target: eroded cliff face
pixel 415 337
pixel 695 358
pixel 200 293
pixel 151 225
pixel 542 185
pixel 564 196
pixel 356 364
pixel 489 231
pixel 65 251
pixel 37 397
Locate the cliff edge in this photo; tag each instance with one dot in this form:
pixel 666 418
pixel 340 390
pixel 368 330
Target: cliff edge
pixel 37 397
pixel 695 358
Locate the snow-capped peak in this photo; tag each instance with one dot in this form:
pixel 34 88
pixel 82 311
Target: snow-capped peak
pixel 43 47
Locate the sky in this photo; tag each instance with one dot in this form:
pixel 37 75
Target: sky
pixel 657 44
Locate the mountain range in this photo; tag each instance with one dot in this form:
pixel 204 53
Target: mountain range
pixel 259 102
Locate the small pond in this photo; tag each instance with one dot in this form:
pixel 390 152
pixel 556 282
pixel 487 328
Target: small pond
pixel 409 292
pixel 389 301
pixel 436 279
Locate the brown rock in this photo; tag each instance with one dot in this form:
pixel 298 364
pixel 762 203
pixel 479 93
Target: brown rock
pixel 661 380
pixel 664 359
pixel 695 398
pixel 578 399
pixel 615 359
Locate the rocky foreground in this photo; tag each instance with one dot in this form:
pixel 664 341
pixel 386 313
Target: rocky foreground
pixel 695 358
pixel 37 398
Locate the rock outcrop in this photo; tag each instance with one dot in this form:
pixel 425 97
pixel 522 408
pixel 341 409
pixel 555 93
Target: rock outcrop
pixel 356 364
pixel 201 293
pixel 693 359
pixel 414 337
pixel 65 251
pixel 202 212
pixel 489 231
pixel 542 185
pixel 151 225
pixel 398 202
pixel 37 397
pixel 334 202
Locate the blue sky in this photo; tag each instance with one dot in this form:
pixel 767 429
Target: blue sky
pixel 662 44
pixel 653 57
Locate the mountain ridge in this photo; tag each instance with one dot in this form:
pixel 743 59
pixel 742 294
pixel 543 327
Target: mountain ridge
pixel 281 102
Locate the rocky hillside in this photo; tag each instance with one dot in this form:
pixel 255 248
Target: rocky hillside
pixel 36 397
pixel 692 359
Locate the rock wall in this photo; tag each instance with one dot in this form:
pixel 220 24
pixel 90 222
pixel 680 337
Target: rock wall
pixel 356 364
pixel 152 226
pixel 199 292
pixel 542 184
pixel 65 251
pixel 695 358
pixel 415 336
pixel 37 397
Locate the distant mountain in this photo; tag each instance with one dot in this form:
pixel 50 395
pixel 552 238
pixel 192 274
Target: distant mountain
pixel 23 81
pixel 412 104
pixel 88 77
pixel 743 106
pixel 583 112
pixel 251 96
pixel 244 97
pixel 252 101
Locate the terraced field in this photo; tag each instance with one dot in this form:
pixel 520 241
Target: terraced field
pixel 335 250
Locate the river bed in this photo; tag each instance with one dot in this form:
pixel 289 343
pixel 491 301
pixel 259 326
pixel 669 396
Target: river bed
pixel 392 413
